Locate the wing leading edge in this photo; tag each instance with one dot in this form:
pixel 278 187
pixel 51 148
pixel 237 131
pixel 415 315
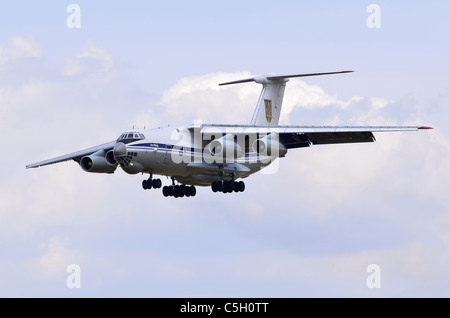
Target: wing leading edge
pixel 73 156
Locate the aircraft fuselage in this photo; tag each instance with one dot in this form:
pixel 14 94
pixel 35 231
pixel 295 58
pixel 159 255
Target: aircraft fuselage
pixel 183 153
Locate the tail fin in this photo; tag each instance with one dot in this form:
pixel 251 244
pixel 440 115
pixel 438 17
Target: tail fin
pixel 268 108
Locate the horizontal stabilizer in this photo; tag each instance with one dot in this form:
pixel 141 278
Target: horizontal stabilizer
pixel 278 78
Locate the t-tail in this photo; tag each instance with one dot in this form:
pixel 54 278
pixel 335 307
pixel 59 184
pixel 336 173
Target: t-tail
pixel 268 108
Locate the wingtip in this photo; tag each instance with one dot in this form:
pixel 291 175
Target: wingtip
pixel 347 71
pixel 425 127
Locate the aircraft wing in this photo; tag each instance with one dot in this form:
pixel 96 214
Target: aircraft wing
pixel 74 155
pixel 304 136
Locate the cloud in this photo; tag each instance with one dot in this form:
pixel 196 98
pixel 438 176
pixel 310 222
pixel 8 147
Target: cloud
pixel 201 98
pixel 299 94
pixel 19 47
pixel 93 61
pixel 56 257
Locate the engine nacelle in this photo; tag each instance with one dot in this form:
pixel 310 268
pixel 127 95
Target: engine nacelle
pixel 225 147
pixel 97 162
pixel 109 157
pixel 269 146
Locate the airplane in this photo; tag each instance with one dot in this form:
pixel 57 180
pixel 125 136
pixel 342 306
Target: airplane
pixel 216 155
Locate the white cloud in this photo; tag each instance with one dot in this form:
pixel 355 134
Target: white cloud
pixel 19 47
pixel 201 98
pixel 299 94
pixel 56 256
pixel 92 61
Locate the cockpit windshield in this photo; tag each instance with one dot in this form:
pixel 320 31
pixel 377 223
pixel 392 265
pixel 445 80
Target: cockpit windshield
pixel 131 136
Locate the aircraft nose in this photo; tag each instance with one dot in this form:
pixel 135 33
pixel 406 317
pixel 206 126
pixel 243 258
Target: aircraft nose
pixel 120 149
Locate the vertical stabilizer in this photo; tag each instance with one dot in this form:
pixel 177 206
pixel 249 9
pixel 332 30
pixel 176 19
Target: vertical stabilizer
pixel 268 108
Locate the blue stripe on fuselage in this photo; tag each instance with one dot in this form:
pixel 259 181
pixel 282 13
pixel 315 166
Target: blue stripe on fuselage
pixel 159 146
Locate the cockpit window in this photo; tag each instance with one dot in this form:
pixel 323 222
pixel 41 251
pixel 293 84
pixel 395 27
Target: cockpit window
pixel 130 136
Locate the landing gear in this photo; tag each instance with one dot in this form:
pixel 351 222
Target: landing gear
pixel 148 184
pixel 228 186
pixel 179 190
pixel 151 183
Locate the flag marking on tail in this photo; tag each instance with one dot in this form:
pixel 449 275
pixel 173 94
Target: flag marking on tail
pixel 268 107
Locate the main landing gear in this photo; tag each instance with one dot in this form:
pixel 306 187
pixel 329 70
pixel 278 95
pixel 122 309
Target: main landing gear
pixel 179 191
pixel 151 183
pixel 228 186
pixel 182 190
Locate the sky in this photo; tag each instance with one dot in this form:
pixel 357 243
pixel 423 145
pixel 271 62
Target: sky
pixel 313 225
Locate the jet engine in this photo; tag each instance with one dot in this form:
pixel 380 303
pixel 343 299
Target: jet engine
pixel 109 157
pixel 99 162
pixel 226 147
pixel 269 146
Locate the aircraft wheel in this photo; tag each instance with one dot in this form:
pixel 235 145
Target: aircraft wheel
pixel 146 184
pixel 190 191
pixel 227 187
pixel 187 191
pixel 168 191
pixel 165 191
pixel 156 183
pixel 178 191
